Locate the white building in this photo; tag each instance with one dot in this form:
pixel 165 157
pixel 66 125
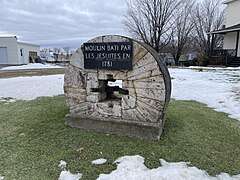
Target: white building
pixel 231 38
pixel 231 32
pixel 13 52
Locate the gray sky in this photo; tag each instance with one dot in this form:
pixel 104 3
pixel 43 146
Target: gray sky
pixel 59 23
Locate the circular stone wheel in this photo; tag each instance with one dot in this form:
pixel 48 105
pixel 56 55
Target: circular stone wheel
pixel 148 84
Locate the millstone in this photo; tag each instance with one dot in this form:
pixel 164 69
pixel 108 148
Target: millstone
pixel 137 108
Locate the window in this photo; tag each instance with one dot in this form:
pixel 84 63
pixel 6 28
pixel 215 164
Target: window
pixel 21 51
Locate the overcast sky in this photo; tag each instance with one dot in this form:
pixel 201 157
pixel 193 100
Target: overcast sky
pixel 60 23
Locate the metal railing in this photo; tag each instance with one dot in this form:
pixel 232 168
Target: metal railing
pixel 227 54
pixel 223 52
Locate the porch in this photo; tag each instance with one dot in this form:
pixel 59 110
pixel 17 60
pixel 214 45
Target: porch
pixel 230 54
pixel 226 57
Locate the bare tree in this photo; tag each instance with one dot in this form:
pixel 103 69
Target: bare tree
pixel 150 20
pixel 67 50
pixel 57 52
pixel 209 15
pixel 180 31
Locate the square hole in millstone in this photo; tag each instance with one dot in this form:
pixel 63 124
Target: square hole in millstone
pixel 112 89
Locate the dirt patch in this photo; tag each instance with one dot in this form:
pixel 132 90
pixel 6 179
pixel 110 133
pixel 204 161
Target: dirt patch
pixel 30 72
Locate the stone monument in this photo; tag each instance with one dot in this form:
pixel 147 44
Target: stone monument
pixel 135 105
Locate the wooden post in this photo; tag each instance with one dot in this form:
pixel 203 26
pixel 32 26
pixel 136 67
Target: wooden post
pixel 237 42
pixel 212 45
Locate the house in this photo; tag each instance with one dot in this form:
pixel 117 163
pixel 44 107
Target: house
pixel 187 57
pixel 168 59
pixel 13 52
pixel 230 54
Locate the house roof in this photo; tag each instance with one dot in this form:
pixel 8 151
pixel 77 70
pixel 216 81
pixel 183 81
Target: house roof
pixel 227 29
pixel 19 42
pixel 228 1
pixel 8 37
pixel 28 44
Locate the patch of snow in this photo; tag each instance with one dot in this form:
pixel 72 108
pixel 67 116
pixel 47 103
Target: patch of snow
pixel 1 178
pixel 213 68
pixel 219 88
pixel 99 161
pixel 132 168
pixel 67 175
pixel 29 88
pixel 32 66
pixel 62 165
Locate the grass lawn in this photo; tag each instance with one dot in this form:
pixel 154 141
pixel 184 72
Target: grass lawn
pixel 34 139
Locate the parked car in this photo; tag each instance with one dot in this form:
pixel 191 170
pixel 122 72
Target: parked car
pixel 38 59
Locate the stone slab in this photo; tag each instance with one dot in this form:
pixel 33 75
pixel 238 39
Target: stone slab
pixel 149 131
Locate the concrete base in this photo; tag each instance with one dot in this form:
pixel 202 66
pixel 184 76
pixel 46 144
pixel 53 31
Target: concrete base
pixel 149 131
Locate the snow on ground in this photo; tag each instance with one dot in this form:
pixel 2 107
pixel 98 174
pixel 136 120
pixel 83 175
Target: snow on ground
pixel 218 88
pixel 67 175
pixel 31 66
pixel 214 68
pixel 99 161
pixel 133 168
pixel 28 88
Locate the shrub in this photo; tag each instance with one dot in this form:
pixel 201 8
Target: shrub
pixel 187 63
pixel 203 60
pixel 200 60
pixel 194 62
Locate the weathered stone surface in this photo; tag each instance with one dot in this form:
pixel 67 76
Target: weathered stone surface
pixel 109 108
pixel 151 114
pixel 74 95
pixel 82 108
pixel 157 95
pixel 138 71
pixel 149 131
pixel 76 59
pixel 132 115
pixel 157 105
pixel 90 85
pixel 95 97
pixel 138 53
pixel 151 79
pixel 128 84
pixel 147 86
pixel 144 61
pixel 144 75
pixel 75 77
pixel 105 74
pixel 128 102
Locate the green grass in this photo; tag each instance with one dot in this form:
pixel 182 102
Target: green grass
pixel 34 139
